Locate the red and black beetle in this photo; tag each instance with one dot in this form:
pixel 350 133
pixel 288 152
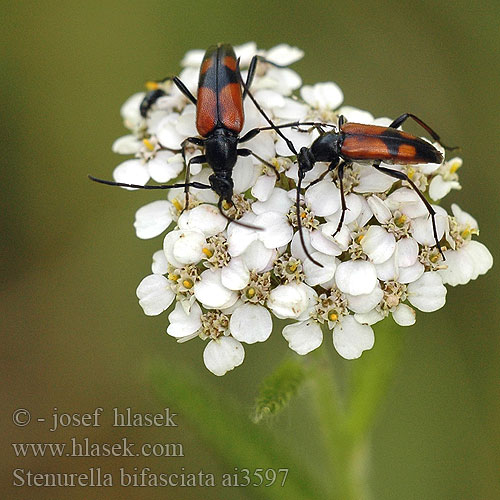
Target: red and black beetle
pixel 351 142
pixel 219 120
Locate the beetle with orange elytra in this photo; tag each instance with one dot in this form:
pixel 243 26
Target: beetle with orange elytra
pixel 219 120
pixel 350 142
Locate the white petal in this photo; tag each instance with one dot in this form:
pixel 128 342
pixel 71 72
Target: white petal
pixel 463 218
pixel 324 96
pixel 439 188
pixel 407 252
pixel 411 273
pixel 257 257
pixel 378 244
pixel 324 243
pixel 289 301
pixel 283 80
pixel 182 324
pixel 186 123
pixel 235 276
pixel 245 52
pixel 303 337
pixel 369 318
pixel 284 54
pixel 356 277
pixel 407 202
pixel 193 58
pixel 292 110
pixel 388 270
pixel 152 219
pixel 279 201
pixel 204 218
pixel 262 145
pixel 372 180
pixel 126 145
pixel 168 134
pixel 366 302
pixel 316 275
pixel 154 294
pixel 160 263
pixel 130 111
pixel 466 263
pixel 427 293
pixel 356 115
pixel 168 247
pixel 251 323
pixel 276 232
pixel 323 198
pixel 188 247
pixel 379 209
pixel 211 292
pixel 355 205
pixel 244 174
pixel 404 315
pixel 264 187
pixel 165 166
pixel 240 237
pixel 131 172
pixel 365 214
pixel 297 248
pixel 480 256
pixel 351 339
pixel 421 227
pixel 222 355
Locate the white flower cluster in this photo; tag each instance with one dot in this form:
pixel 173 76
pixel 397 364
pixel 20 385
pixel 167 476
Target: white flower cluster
pixel 228 281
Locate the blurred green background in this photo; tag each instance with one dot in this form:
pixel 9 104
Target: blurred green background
pixel 74 336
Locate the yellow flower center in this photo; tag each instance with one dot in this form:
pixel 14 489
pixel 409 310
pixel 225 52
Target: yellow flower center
pixel 250 293
pixel 148 144
pixel 152 85
pixel 173 277
pixel 400 220
pixel 207 252
pixel 177 204
pixel 454 167
pixel 188 284
pixel 333 316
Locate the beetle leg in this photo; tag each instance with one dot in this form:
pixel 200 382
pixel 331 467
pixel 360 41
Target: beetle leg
pixel 401 119
pixel 402 176
pixel 248 152
pixel 299 219
pixel 252 68
pixel 340 172
pixel 330 168
pixel 195 159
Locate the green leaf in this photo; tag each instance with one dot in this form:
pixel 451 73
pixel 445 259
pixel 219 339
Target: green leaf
pixel 278 389
pixel 223 424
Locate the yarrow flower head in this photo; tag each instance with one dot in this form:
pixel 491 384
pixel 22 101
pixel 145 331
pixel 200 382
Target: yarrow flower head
pixel 227 281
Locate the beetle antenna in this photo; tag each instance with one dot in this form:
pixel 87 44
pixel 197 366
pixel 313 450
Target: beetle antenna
pixel 197 185
pixel 299 222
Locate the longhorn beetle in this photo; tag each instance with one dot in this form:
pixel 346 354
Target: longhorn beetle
pixel 219 120
pixel 349 142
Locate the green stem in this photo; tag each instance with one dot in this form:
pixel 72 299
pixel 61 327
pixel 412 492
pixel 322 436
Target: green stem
pixel 346 419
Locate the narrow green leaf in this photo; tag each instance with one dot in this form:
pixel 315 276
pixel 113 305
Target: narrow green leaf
pixel 278 389
pixel 223 424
